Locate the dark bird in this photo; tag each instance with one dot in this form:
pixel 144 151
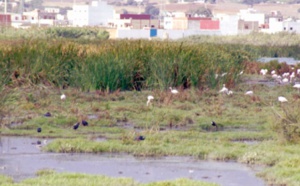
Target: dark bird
pixel 84 123
pixel 214 124
pixel 75 127
pixel 140 138
pixel 48 114
pixel 39 129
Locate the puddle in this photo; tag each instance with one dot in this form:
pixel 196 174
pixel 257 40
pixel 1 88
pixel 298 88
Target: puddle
pixel 20 158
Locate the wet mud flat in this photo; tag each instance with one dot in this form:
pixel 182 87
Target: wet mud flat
pixel 21 158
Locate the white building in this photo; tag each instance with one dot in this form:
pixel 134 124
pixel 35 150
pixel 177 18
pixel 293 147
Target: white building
pixel 251 15
pixel 96 14
pixel 291 26
pixel 228 24
pixel 52 10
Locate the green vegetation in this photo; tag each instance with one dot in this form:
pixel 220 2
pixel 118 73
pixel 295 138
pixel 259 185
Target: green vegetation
pixel 107 83
pixel 72 179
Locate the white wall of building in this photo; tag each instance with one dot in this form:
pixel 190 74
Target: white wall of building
pixel 161 33
pixel 291 26
pixel 96 14
pixel 275 25
pixel 228 24
pixel 252 15
pixel 168 23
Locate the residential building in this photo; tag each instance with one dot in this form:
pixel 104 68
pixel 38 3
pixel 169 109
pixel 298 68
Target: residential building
pixel 98 13
pixel 133 21
pixel 40 17
pixel 250 15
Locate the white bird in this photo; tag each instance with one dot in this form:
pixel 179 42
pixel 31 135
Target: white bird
pixel 263 71
pixel 173 91
pixel 250 92
pixel 149 99
pixel 273 72
pixel 282 99
pixel 229 92
pixel 285 80
pixel 63 96
pixel 224 89
pixel 297 86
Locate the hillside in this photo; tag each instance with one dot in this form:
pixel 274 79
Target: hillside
pixel 288 10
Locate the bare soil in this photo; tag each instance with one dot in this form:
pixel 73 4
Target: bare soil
pixel 287 10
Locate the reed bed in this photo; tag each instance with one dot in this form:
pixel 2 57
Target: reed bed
pixel 125 65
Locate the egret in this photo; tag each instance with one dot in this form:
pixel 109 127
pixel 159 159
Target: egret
pixel 273 72
pixel 285 80
pixel 230 92
pixel 173 91
pixel 39 129
pixel 297 86
pixel 149 99
pixel 63 97
pixel 84 123
pixel 75 127
pixel 282 99
pixel 224 89
pixel 250 92
pixel 263 71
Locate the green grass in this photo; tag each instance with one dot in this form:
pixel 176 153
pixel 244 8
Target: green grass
pixel 46 177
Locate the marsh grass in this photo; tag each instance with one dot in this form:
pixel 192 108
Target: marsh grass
pixel 49 177
pixel 96 78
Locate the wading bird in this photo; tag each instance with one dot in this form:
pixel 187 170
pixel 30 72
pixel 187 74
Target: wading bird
pixel 63 97
pixel 173 91
pixel 149 99
pixel 250 92
pixel 140 138
pixel 84 123
pixel 75 127
pixel 224 89
pixel 214 124
pixel 48 114
pixel 282 99
pixel 39 129
pixel 297 86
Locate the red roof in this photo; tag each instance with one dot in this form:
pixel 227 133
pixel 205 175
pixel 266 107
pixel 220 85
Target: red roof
pixel 134 16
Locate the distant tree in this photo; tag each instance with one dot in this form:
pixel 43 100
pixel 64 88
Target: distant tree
pixel 152 10
pixel 31 5
pixel 201 11
pixel 252 2
pixel 124 11
pixel 132 2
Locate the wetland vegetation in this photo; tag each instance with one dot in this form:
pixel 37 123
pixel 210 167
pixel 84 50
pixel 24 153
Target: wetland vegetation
pixel 106 82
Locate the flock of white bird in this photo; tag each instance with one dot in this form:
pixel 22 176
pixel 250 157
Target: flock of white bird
pixel 284 78
pixel 150 97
